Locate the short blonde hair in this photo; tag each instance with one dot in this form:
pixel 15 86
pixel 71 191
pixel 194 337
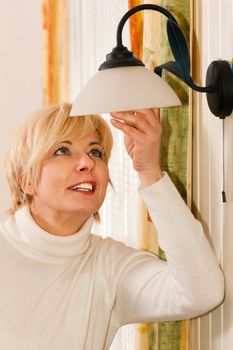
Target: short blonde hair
pixel 45 129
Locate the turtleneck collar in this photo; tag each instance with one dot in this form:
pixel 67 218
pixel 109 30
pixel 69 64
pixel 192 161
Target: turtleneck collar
pixel 47 244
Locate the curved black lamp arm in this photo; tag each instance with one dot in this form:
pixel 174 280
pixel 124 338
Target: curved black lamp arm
pixel 136 9
pixel 171 67
pixel 181 66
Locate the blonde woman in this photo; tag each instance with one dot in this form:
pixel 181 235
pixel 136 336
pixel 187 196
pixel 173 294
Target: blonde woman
pixel 65 288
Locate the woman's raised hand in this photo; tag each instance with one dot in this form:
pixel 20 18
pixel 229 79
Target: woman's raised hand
pixel 142 134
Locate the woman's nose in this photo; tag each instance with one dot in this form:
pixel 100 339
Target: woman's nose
pixel 85 163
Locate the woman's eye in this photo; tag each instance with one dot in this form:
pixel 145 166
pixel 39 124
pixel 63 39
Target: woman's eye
pixel 62 151
pixel 96 153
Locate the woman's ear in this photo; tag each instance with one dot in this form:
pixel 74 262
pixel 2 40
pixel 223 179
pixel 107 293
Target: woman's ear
pixel 26 186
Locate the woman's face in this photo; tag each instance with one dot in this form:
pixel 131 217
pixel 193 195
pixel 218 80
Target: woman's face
pixel 73 178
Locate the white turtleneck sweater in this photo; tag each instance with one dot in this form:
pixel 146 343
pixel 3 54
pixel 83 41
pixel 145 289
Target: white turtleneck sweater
pixel 73 293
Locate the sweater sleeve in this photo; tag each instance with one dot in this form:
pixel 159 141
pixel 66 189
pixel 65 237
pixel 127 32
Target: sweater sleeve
pixel 188 284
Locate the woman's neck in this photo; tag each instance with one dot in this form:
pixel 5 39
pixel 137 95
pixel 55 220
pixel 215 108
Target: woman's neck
pixel 58 223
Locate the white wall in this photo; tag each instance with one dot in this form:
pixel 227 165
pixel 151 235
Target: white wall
pixel 214 40
pixel 21 72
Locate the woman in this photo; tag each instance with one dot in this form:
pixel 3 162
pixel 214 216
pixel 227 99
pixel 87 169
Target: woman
pixel 64 288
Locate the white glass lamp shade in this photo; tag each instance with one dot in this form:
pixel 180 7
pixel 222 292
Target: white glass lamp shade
pixel 123 89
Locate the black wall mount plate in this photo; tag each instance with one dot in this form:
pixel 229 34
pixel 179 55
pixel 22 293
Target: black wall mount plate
pixel 220 77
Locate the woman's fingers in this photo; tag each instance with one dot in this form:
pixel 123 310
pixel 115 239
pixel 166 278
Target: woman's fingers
pixel 152 116
pixel 129 130
pixel 142 120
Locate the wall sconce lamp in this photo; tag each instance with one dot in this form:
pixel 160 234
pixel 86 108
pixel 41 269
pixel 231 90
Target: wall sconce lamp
pixel 123 83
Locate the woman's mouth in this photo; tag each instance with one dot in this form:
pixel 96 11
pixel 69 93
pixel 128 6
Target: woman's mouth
pixel 88 187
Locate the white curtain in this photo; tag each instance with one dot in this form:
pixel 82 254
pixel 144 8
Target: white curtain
pixel 93 34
